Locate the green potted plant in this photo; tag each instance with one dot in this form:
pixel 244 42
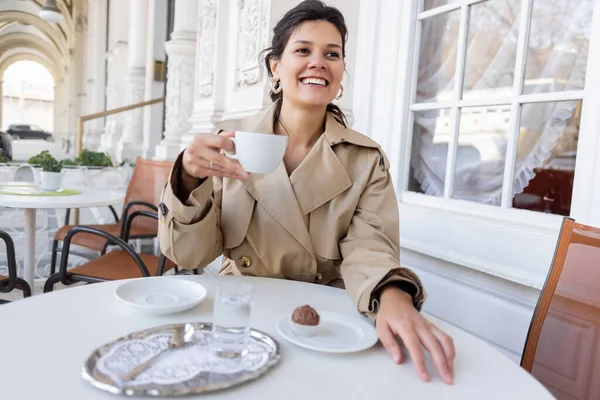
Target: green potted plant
pixel 51 176
pixel 37 160
pixel 94 159
pixel 67 162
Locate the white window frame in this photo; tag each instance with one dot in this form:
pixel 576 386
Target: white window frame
pixel 509 243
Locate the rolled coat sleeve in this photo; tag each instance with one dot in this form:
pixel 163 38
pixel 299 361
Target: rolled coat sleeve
pixel 189 232
pixel 371 248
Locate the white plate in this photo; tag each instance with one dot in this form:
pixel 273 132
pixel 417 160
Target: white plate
pixel 337 333
pixel 160 295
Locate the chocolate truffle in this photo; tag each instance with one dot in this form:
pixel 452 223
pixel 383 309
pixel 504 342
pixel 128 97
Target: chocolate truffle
pixel 306 315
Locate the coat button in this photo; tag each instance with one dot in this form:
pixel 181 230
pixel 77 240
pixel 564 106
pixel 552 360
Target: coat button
pixel 245 262
pixel 318 277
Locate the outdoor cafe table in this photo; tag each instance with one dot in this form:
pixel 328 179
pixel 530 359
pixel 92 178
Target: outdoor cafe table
pixel 46 339
pixel 87 197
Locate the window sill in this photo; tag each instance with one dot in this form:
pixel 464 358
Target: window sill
pixel 514 245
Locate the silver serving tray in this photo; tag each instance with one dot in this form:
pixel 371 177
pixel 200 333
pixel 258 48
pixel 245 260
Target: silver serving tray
pixel 261 344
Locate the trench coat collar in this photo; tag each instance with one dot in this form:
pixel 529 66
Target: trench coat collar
pixel 318 179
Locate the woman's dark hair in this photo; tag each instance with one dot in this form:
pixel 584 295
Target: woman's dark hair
pixel 308 10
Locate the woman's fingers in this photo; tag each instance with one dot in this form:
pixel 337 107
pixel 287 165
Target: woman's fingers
pixel 204 153
pixel 447 344
pixel 397 316
pixel 221 142
pixel 222 162
pixel 439 357
pixel 199 167
pixel 222 174
pixel 389 342
pixel 413 345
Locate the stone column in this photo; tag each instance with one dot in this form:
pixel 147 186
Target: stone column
pixel 1 102
pixel 77 65
pixel 56 106
pixel 57 128
pixel 181 52
pixel 230 82
pixel 154 115
pixel 95 70
pixel 63 108
pixel 211 58
pixel 131 144
pixel 115 93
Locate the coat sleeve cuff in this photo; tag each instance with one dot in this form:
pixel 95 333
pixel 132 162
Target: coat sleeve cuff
pixel 195 207
pixel 404 279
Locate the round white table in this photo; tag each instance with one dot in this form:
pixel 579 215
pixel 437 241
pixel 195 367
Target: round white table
pixel 46 340
pixel 87 198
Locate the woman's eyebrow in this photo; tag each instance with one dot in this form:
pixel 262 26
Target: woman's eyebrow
pixel 308 42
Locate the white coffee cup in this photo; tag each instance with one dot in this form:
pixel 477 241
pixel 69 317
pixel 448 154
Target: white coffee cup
pixel 258 153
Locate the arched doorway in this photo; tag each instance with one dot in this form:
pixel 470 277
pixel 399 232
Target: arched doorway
pixel 28 96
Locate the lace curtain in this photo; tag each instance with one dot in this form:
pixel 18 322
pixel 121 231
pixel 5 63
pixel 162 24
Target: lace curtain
pixel 556 61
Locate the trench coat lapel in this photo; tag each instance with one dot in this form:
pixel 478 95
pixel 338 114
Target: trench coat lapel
pixel 321 176
pixel 274 191
pixel 318 179
pixel 275 194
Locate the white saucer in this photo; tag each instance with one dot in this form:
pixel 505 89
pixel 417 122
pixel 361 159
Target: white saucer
pixel 160 295
pixel 337 333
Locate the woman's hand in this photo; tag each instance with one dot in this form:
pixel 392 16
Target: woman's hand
pixel 397 317
pixel 205 152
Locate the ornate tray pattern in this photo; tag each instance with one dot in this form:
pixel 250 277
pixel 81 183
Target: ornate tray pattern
pixel 178 372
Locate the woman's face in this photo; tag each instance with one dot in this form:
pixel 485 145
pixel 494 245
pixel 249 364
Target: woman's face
pixel 311 67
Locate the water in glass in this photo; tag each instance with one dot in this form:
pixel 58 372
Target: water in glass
pixel 231 320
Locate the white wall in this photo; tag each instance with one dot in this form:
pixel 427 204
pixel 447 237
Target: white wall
pixel 496 310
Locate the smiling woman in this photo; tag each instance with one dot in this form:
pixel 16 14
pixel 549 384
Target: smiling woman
pixel 292 50
pixel 328 214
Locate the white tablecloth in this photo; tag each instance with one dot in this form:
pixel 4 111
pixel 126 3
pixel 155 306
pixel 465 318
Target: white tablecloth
pixel 46 339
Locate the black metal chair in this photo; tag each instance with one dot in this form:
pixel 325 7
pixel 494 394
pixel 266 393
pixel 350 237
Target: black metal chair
pixel 123 263
pixel 11 282
pixel 143 193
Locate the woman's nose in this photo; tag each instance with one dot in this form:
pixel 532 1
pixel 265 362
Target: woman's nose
pixel 317 62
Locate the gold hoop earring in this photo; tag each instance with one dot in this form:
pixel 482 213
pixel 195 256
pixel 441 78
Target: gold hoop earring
pixel 275 85
pixel 341 93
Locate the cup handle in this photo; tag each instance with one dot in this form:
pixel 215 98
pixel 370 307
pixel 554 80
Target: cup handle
pixel 228 154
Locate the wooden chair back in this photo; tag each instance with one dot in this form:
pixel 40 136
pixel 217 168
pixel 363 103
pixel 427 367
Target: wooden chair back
pixel 562 349
pixel 146 184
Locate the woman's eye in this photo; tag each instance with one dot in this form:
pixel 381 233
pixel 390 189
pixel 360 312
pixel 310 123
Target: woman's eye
pixel 302 51
pixel 333 54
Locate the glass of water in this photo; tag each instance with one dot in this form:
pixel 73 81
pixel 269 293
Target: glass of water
pixel 231 320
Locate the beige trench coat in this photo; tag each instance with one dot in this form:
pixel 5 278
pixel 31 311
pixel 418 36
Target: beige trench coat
pixel 335 216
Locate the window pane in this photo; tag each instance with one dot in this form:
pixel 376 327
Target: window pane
pixel 432 135
pixel 429 4
pixel 491 48
pixel 546 155
pixel 547 140
pixel 437 57
pixel 558 45
pixel 481 154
